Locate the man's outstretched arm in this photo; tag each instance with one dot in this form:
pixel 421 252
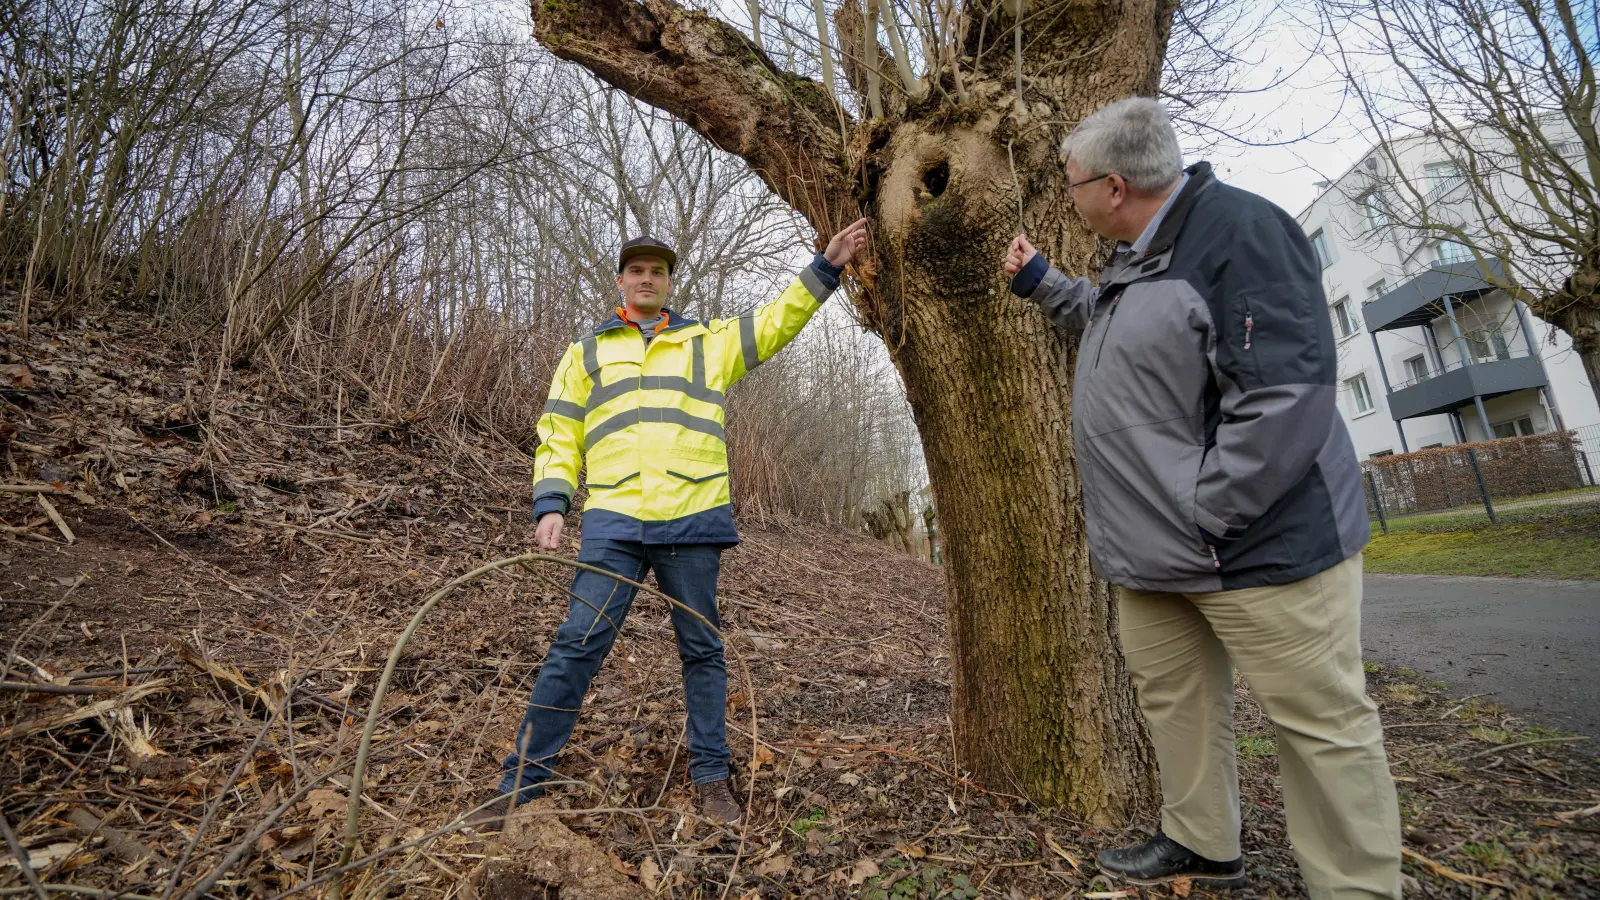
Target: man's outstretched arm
pixel 760 334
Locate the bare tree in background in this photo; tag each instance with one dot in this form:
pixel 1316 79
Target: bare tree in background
pixel 648 173
pixel 1486 117
pixel 399 217
pixel 823 429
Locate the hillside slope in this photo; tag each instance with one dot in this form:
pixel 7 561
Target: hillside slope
pixel 237 550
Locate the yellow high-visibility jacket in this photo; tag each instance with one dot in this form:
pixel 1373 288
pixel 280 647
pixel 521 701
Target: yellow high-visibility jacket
pixel 646 420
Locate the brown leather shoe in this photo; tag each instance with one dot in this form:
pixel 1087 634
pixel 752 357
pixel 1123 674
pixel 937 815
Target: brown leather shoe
pixel 717 803
pixel 491 817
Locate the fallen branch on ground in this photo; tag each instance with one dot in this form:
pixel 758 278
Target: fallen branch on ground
pixel 87 712
pixel 1573 815
pixel 1445 871
pixel 61 524
pixel 50 489
pixel 1505 747
pixel 119 843
pixel 26 687
pixel 79 890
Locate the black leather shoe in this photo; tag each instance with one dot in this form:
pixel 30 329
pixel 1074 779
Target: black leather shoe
pixel 1162 859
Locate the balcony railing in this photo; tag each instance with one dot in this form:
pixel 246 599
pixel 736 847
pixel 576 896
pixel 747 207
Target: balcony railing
pixel 1432 373
pixel 1457 384
pixel 1444 187
pixel 1420 299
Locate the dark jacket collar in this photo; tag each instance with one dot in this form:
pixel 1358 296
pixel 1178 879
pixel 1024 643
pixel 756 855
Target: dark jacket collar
pixel 1200 178
pixel 674 322
pixel 1158 256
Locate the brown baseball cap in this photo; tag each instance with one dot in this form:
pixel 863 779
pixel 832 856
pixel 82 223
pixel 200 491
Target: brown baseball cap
pixel 647 246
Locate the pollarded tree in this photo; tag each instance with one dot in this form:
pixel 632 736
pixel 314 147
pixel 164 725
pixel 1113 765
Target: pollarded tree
pixel 944 163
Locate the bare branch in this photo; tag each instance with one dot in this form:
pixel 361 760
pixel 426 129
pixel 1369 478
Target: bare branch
pixel 709 75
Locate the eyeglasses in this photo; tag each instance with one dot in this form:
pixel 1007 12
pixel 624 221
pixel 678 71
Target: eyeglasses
pixel 1078 184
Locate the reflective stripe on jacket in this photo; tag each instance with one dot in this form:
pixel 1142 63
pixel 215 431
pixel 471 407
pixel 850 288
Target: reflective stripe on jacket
pixel 646 420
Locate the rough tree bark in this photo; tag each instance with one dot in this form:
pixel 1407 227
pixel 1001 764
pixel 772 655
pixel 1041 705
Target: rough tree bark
pixel 1041 701
pixel 1575 309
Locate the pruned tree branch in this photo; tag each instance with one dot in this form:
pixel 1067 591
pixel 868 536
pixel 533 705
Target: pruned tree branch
pixel 787 128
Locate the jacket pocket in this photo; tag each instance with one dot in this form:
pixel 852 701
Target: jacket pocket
pixel 1238 351
pixel 702 479
pixel 693 464
pixel 1186 486
pixel 593 485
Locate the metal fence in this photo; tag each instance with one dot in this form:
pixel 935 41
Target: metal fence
pixel 1487 477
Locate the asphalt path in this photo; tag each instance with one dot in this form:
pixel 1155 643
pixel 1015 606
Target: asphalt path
pixel 1533 646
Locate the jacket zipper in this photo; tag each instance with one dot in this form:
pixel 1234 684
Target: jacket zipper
pixel 1216 561
pixel 1109 313
pixel 1249 323
pixel 1104 332
pixel 640 463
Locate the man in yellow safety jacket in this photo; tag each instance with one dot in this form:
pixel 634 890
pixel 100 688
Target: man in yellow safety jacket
pixel 638 402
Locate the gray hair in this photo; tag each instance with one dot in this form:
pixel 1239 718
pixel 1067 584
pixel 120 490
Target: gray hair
pixel 1133 138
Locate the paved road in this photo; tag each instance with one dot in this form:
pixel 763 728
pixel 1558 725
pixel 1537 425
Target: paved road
pixel 1534 644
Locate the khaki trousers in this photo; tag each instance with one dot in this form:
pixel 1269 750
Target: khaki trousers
pixel 1298 646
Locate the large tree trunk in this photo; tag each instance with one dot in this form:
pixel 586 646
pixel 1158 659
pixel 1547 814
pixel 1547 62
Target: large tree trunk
pixel 1042 702
pixel 1582 324
pixel 1575 309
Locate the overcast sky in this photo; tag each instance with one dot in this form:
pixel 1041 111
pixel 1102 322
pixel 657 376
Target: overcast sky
pixel 1301 131
pixel 1312 101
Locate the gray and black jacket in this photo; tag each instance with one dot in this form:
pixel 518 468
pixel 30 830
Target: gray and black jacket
pixel 1204 410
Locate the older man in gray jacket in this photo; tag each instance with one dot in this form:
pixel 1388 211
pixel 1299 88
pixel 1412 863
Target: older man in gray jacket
pixel 1223 499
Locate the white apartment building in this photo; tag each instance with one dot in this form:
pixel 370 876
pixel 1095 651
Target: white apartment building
pixel 1429 353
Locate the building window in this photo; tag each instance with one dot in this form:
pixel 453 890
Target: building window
pixel 1360 396
pixel 1432 446
pixel 1417 369
pixel 1487 346
pixel 1452 252
pixel 1319 243
pixel 1382 453
pixel 1376 210
pixel 1516 427
pixel 1376 290
pixel 1344 318
pixel 1568 148
pixel 1442 178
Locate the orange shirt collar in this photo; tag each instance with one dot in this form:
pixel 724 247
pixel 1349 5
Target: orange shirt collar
pixel 622 313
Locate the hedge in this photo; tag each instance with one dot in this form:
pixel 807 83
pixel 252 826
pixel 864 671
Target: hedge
pixel 1442 478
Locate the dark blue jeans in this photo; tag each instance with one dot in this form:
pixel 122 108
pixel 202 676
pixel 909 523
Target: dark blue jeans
pixel 687 573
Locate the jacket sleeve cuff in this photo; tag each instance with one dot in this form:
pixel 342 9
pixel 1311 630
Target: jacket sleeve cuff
pixel 550 502
pixel 1024 282
pixel 827 273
